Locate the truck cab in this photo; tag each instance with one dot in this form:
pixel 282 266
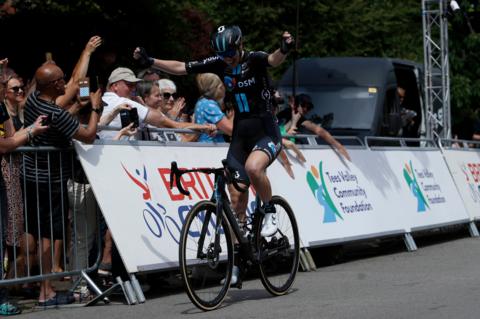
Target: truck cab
pixel 357 96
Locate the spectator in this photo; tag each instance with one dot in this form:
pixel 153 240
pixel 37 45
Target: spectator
pixel 149 92
pixel 46 175
pixel 10 166
pixel 121 86
pixel 171 105
pixel 149 74
pixel 286 143
pixel 407 115
pixel 294 116
pixel 10 140
pixel 83 203
pixel 209 107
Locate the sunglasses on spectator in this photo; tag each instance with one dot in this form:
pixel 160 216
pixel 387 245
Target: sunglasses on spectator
pixel 168 95
pixel 227 54
pixel 17 89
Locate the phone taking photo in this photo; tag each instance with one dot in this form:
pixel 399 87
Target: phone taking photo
pixel 129 116
pixel 84 85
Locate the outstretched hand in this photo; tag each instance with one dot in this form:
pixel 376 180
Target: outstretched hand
pixel 93 43
pixel 140 54
pixel 287 42
pixel 177 108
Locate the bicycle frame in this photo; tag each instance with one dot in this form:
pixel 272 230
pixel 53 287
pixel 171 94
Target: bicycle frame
pixel 219 197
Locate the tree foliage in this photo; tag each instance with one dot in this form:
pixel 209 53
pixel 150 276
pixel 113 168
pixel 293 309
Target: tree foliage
pixel 180 30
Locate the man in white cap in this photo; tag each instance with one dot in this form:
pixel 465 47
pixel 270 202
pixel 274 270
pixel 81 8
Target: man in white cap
pixel 121 86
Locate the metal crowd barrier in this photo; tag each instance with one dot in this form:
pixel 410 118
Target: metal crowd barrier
pixel 50 221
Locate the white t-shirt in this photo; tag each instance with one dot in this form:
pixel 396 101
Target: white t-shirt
pixel 112 100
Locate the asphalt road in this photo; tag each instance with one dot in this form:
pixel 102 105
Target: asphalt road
pixel 439 280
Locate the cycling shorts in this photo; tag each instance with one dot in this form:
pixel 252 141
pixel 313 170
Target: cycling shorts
pixel 249 135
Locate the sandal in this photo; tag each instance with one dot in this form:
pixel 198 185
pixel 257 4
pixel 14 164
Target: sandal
pixel 104 269
pixel 8 309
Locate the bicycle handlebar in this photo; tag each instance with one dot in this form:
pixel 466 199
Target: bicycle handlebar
pixel 176 174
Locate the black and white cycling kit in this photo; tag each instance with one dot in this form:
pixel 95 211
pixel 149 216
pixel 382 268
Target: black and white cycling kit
pixel 248 90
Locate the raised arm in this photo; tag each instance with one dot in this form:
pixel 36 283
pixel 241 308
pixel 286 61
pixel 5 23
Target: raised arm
pixel 276 58
pixel 79 72
pixel 168 66
pixel 87 134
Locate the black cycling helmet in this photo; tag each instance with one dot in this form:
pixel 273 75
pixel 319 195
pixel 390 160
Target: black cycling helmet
pixel 226 40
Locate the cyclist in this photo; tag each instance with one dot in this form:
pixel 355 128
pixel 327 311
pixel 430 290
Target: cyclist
pixel 256 139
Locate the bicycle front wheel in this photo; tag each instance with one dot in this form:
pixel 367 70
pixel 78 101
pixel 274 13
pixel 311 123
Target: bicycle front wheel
pixel 205 256
pixel 279 254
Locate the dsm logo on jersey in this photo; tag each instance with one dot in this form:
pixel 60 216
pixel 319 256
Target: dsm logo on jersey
pixel 231 83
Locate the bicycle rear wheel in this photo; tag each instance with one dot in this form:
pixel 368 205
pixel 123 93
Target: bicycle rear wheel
pixel 278 254
pixel 205 256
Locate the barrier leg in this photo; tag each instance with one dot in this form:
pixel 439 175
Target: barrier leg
pixel 410 242
pixel 130 293
pixel 303 261
pixel 309 258
pixel 472 228
pixel 137 289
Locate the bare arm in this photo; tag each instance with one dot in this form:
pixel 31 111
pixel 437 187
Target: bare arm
pixel 22 136
pixel 79 72
pixel 326 137
pixel 158 119
pixel 107 118
pixel 87 134
pixel 225 125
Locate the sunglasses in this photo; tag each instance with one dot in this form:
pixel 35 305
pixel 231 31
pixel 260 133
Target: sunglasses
pixel 168 95
pixel 17 89
pixel 227 54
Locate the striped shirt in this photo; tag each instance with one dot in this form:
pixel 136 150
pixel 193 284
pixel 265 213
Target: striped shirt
pixel 50 166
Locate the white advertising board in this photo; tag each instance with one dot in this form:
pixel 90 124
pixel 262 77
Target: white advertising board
pixel 379 193
pixel 336 200
pixel 465 169
pixel 423 190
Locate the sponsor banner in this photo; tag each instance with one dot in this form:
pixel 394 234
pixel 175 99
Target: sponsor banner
pixel 422 189
pixel 378 193
pixel 336 200
pixel 131 184
pixel 465 169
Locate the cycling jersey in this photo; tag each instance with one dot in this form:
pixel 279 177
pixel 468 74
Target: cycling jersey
pixel 247 85
pixel 248 91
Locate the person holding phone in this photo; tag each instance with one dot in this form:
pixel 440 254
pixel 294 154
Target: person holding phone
pixel 121 85
pixel 46 174
pixel 10 139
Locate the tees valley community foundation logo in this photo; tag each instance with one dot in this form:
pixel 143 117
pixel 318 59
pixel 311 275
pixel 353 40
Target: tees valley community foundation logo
pixel 316 183
pixel 346 188
pixel 411 179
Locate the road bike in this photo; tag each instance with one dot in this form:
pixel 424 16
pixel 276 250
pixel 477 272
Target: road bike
pixel 206 251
